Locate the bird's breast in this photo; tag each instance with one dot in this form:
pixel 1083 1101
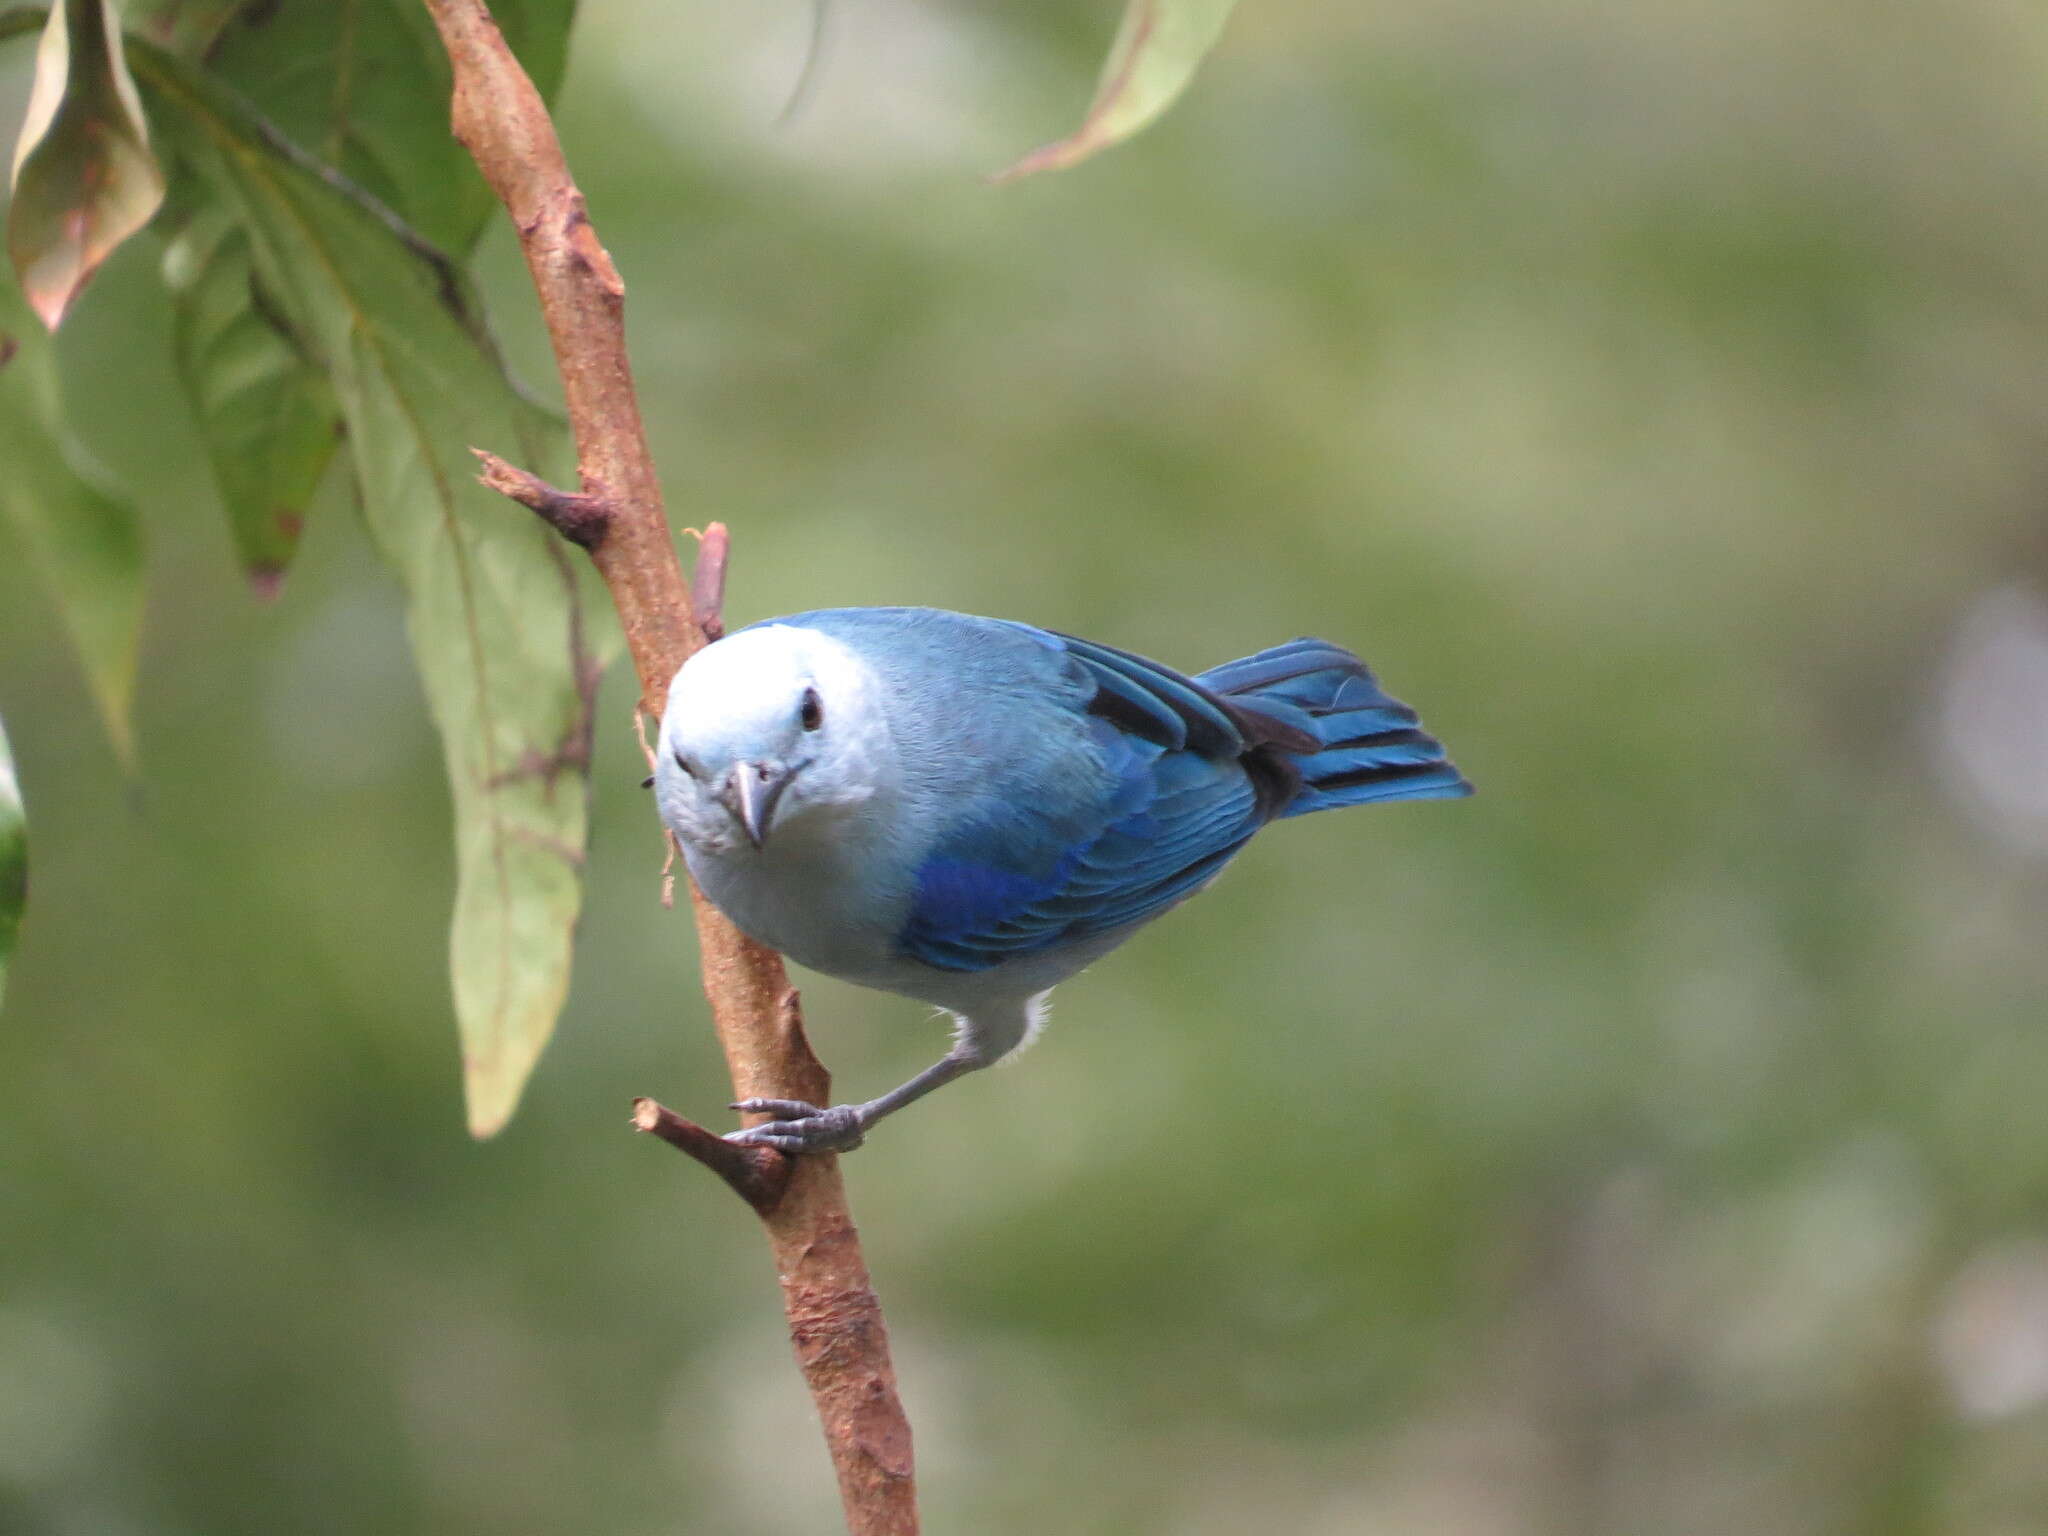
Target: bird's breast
pixel 829 904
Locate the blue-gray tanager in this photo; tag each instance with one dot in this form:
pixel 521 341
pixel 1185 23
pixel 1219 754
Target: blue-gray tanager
pixel 967 811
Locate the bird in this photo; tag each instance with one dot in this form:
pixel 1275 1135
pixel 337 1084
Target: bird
pixel 967 811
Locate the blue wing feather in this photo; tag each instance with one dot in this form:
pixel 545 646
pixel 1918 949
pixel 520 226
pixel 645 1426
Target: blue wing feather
pixel 1204 723
pixel 1170 805
pixel 1088 788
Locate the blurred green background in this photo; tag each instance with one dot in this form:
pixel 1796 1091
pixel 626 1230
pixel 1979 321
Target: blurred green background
pixel 1658 396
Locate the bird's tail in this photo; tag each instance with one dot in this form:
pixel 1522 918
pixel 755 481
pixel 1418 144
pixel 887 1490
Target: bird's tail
pixel 1370 745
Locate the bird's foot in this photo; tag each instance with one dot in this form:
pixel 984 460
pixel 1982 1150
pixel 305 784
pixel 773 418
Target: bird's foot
pixel 798 1127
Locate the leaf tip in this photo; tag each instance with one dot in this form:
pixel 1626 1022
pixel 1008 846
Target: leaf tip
pixel 121 737
pixel 1158 46
pixel 268 549
pixel 56 256
pixel 84 177
pixel 1056 156
pixel 50 300
pixel 494 1079
pixel 485 1128
pixel 489 1097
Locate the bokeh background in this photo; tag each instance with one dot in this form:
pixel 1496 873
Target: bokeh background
pixel 1658 395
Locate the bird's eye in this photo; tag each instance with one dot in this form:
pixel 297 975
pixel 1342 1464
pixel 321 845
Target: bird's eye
pixel 684 763
pixel 811 713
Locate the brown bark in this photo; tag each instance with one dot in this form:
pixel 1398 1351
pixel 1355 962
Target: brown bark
pixel 617 515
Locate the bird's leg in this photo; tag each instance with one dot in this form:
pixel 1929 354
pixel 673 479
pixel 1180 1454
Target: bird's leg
pixel 800 1127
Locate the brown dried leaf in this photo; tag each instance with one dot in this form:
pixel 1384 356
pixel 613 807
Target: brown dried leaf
pixel 84 177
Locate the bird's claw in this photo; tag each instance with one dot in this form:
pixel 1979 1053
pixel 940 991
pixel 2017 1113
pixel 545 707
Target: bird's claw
pixel 798 1127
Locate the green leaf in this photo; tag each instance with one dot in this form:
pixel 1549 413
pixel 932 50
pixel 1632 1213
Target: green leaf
pixel 266 413
pixel 492 605
pixel 80 533
pixel 1158 45
pixel 363 85
pixel 13 858
pixel 186 27
pixel 84 177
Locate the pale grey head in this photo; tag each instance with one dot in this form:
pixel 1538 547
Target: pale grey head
pixel 765 731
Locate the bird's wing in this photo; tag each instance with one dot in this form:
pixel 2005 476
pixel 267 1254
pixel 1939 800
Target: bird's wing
pixel 1165 804
pixel 1155 702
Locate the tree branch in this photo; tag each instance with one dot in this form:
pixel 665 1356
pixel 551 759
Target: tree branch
pixel 834 1319
pixel 580 518
pixel 756 1174
pixel 707 580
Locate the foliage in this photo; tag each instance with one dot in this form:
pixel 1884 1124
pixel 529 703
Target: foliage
pixel 320 216
pixel 84 179
pixel 1158 45
pixel 80 531
pixel 1650 1144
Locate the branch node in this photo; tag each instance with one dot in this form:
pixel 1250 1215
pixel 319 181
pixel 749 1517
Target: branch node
pixel 581 519
pixel 758 1175
pixel 585 247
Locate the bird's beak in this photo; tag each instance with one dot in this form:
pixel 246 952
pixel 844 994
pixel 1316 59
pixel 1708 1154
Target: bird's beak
pixel 751 795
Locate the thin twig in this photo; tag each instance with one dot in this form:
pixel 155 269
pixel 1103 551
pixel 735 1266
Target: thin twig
pixel 580 518
pixel 834 1319
pixel 707 580
pixel 756 1174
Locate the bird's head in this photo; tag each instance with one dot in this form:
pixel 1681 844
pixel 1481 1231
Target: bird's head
pixel 762 730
